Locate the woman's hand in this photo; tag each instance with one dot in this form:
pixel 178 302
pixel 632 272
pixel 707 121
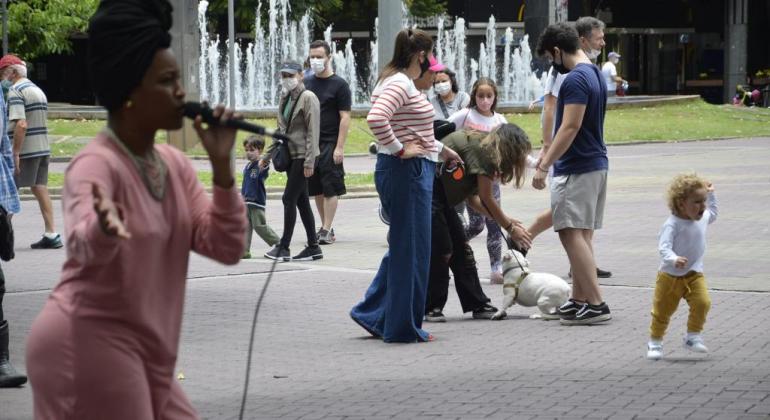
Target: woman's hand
pixel 413 149
pixel 520 235
pixel 218 140
pixel 308 172
pixel 111 218
pixel 448 155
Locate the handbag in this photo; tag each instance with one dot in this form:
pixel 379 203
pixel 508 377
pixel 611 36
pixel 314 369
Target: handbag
pixel 6 236
pixel 281 156
pixel 458 185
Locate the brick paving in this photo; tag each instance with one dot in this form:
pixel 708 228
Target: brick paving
pixel 312 362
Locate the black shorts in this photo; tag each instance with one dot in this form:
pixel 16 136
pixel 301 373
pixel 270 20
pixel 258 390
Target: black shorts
pixel 328 177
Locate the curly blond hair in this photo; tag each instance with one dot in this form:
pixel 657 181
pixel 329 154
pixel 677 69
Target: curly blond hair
pixel 681 187
pixel 507 147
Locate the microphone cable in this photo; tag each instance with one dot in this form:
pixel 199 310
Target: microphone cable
pixel 251 339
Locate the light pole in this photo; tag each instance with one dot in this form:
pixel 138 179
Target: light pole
pixel 5 27
pixel 390 17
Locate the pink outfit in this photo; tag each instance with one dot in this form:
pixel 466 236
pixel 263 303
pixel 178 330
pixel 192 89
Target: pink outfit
pixel 105 344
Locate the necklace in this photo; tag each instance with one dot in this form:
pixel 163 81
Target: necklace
pixel 152 168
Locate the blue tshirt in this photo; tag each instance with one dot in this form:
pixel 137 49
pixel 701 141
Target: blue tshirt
pixel 253 186
pixel 584 85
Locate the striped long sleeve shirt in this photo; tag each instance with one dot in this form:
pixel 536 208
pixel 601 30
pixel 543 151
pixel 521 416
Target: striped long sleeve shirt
pixel 400 113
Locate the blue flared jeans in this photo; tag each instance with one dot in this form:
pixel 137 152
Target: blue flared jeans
pixel 394 304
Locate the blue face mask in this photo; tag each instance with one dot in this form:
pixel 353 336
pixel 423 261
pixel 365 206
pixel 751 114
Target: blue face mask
pixel 6 84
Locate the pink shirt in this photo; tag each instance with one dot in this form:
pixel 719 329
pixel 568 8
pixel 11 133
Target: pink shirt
pixel 139 283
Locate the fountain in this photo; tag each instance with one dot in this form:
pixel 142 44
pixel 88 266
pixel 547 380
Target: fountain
pixel 257 63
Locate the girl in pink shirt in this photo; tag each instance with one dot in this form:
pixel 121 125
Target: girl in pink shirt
pixel 106 342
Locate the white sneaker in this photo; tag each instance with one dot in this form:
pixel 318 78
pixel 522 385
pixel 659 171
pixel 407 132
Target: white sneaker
pixel 695 343
pixel 654 351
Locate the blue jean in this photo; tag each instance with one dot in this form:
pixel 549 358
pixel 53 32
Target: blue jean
pixel 394 305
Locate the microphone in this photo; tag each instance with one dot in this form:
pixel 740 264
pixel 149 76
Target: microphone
pixel 193 109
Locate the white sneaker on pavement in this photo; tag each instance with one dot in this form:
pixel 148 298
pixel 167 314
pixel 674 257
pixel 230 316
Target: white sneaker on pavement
pixel 695 344
pixel 654 350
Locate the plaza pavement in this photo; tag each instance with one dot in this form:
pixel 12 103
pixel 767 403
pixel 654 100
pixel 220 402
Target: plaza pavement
pixel 312 362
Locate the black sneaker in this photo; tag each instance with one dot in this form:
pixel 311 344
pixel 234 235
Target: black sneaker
pixel 485 312
pixel 48 243
pixel 569 308
pixel 279 253
pixel 435 315
pixel 310 253
pixel 589 314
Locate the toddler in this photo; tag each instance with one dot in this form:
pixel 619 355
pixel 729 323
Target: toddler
pixel 681 245
pixel 255 195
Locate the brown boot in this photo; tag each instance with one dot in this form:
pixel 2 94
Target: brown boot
pixel 9 378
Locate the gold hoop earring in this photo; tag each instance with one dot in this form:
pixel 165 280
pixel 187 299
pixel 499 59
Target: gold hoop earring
pixel 129 104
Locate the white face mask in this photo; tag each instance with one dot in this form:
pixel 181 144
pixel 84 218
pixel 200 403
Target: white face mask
pixel 442 88
pixel 289 83
pixel 318 65
pixel 593 54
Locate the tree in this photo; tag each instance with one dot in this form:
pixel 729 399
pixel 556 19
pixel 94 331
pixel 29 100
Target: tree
pixel 42 27
pixel 426 8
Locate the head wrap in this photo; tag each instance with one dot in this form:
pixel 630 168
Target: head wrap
pixel 123 37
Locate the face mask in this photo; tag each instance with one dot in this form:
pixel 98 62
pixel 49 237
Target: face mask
pixel 318 65
pixel 485 104
pixel 289 83
pixel 424 66
pixel 442 88
pixel 560 67
pixel 6 84
pixel 593 54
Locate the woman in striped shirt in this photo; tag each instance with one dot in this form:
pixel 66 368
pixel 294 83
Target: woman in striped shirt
pixel 402 120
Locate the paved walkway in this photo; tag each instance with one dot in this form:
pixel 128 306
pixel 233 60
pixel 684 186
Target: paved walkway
pixel 312 362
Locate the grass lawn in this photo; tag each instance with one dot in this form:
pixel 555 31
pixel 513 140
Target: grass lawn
pixel 693 120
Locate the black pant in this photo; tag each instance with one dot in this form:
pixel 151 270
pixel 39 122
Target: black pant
pixel 295 197
pixel 2 294
pixel 448 238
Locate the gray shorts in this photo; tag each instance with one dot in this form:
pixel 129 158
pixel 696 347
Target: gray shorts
pixel 577 200
pixel 34 171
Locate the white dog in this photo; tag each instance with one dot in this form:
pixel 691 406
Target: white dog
pixel 546 291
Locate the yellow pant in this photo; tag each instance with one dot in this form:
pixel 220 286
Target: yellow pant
pixel 669 290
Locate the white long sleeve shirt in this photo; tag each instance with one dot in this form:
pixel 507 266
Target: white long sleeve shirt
pixel 685 238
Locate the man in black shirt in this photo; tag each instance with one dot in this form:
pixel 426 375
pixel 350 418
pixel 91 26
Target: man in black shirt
pixel 328 180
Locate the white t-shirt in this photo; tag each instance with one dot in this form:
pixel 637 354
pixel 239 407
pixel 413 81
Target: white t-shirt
pixel 553 83
pixel 610 72
pixel 469 118
pixel 685 238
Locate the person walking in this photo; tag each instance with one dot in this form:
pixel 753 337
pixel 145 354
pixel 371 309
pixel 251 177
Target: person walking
pixel 579 158
pixel 298 118
pixel 105 344
pixel 481 115
pixel 9 201
pixel 614 82
pixel 255 194
pixel 328 181
pixel 401 118
pixel 28 131
pixel 682 244
pixel 591 35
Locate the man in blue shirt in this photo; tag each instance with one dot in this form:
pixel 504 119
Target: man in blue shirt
pixel 579 158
